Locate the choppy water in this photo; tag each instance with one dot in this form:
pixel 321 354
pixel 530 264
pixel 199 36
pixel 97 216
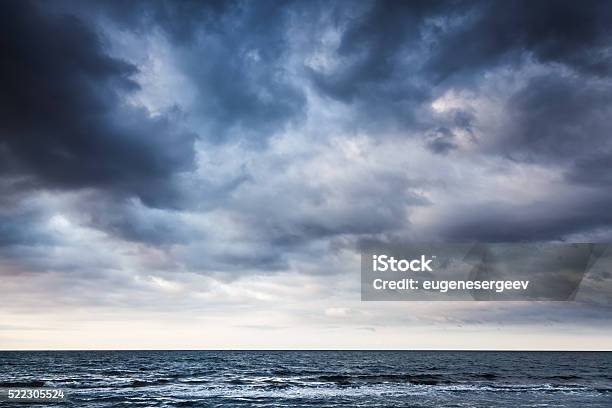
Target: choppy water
pixel 315 378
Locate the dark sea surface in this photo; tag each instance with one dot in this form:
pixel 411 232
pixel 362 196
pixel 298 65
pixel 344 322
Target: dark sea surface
pixel 314 378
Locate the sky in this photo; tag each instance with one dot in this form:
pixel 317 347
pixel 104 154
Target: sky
pixel 201 175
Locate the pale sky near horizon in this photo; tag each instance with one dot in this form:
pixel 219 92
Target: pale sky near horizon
pixel 200 175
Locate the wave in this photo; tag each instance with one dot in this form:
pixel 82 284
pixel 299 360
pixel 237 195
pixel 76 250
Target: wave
pixel 22 384
pixel 417 379
pixel 141 383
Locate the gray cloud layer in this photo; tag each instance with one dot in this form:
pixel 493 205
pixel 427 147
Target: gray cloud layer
pixel 243 138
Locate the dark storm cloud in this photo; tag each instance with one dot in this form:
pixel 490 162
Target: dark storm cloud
pixel 234 53
pixel 291 143
pixel 594 169
pixel 560 120
pixel 240 71
pixel 62 119
pixel 563 119
pixel 547 220
pixel 64 123
pixel 235 261
pixel 374 46
pixel 441 141
pixel 132 221
pixel 181 20
pixel 395 59
pixel 568 32
pixel 556 117
pixel 23 229
pixel 377 62
pixel 398 55
pixel 309 214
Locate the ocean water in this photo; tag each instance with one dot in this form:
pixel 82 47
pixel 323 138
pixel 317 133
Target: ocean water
pixel 314 378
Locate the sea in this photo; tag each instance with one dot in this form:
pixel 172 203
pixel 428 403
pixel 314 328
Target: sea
pixel 312 378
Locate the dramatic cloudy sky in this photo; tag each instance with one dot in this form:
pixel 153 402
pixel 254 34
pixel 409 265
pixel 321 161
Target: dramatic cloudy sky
pixel 201 174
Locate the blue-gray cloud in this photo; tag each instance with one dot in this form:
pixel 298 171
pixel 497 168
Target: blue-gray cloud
pixel 67 126
pixel 63 121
